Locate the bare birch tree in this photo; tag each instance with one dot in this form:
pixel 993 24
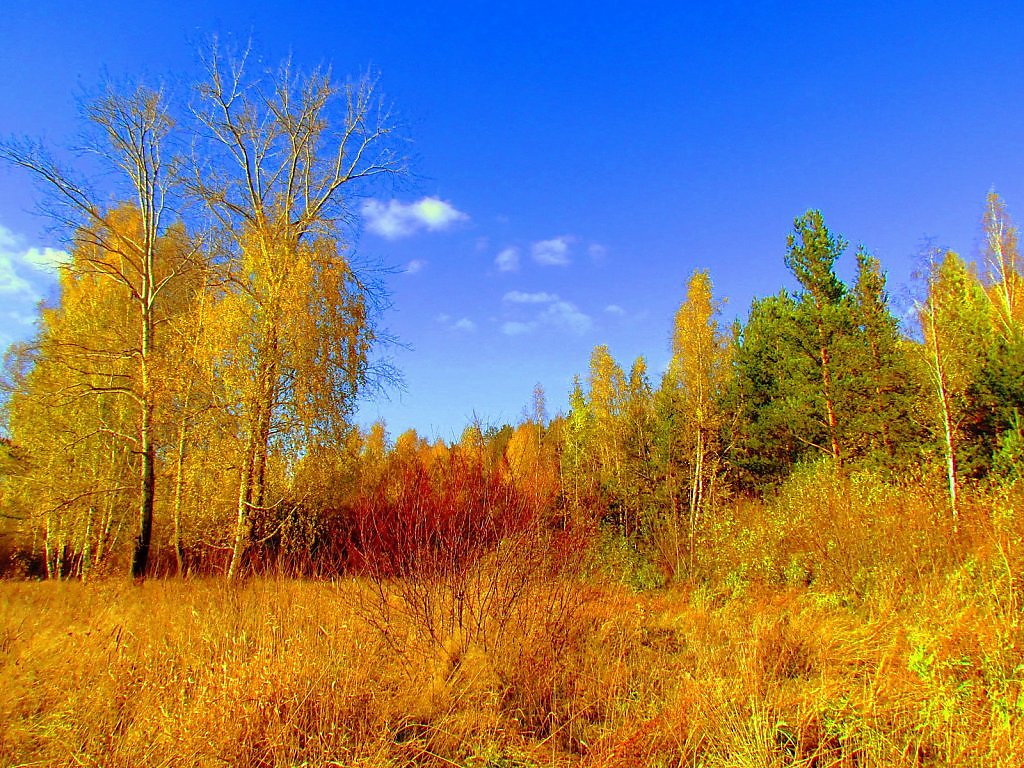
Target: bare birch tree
pixel 277 166
pixel 133 129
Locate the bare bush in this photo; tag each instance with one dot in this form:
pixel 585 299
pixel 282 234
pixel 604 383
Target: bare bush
pixel 455 555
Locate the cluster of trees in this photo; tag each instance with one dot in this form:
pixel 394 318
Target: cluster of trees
pixel 198 375
pixel 823 373
pixel 826 374
pixel 231 427
pixel 211 328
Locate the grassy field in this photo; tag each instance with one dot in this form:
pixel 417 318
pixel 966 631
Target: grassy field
pixel 282 672
pixel 843 622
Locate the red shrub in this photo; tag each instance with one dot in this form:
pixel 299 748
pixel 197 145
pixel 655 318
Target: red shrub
pixel 424 522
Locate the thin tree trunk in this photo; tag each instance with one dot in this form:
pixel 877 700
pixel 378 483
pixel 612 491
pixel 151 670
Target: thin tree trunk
pixel 948 427
pixel 676 523
pixel 48 547
pixel 948 434
pixel 951 469
pixel 259 490
pixel 242 519
pixel 696 491
pixel 85 563
pixel 104 541
pixel 830 410
pixel 140 558
pixel 265 415
pixel 179 483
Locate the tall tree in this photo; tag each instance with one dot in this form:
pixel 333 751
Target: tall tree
pixel 811 252
pixel 824 369
pixel 132 129
pixel 577 465
pixel 999 386
pixel 955 326
pixel 1005 269
pixel 775 393
pixel 698 373
pixel 82 385
pixel 191 396
pixel 605 400
pixel 637 431
pixel 533 466
pixel 73 478
pixel 881 422
pixel 282 154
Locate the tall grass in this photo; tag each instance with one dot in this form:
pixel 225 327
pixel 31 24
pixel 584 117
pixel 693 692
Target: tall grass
pixel 842 623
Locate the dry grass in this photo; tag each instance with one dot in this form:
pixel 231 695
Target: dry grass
pixel 285 673
pixel 840 625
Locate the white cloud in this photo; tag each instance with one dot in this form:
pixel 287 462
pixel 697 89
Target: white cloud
pixel 597 251
pixel 519 297
pixel 26 276
pixel 47 259
pixel 507 260
pixel 553 252
pixel 414 266
pixel 393 220
pixel 557 314
pixel 21 268
pixel 10 281
pixel 8 240
pixel 566 316
pixel 437 214
pixel 615 309
pixel 21 318
pixel 463 324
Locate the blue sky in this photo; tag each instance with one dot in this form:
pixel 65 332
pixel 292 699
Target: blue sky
pixel 575 162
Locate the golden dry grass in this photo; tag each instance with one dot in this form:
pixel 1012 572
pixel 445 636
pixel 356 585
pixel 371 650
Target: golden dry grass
pixel 282 672
pixel 839 624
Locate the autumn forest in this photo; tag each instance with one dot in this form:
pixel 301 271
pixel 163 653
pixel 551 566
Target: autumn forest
pixel 800 544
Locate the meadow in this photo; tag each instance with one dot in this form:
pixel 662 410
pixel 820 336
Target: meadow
pixel 842 622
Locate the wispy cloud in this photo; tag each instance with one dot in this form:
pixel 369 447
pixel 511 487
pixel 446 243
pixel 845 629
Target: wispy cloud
pixel 12 283
pixel 553 252
pixel 566 316
pixel 463 324
pixel 22 267
pixel 622 315
pixel 556 314
pixel 507 260
pixel 393 220
pixel 26 276
pixel 597 252
pixel 48 260
pixel 21 318
pixel 415 266
pixel 519 297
